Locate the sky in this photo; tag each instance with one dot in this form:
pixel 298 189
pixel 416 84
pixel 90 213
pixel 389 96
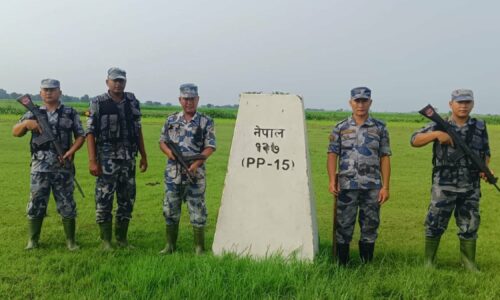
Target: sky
pixel 410 53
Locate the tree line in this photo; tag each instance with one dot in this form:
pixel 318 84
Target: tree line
pixel 4 95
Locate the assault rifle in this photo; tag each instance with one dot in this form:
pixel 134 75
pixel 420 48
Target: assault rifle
pixel 184 161
pixel 462 148
pixel 46 136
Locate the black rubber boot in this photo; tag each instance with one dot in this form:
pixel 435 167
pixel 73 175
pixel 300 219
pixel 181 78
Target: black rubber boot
pixel 69 229
pixel 199 240
pixel 171 232
pixel 342 254
pixel 468 254
pixel 34 230
pixel 431 247
pixel 121 230
pixel 366 252
pixel 106 233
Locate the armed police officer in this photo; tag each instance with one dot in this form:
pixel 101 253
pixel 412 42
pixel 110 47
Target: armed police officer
pixel 114 136
pixel 48 170
pixel 359 145
pixel 192 133
pixel 455 180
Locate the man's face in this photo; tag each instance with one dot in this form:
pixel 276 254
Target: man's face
pixel 50 95
pixel 189 105
pixel 116 85
pixel 461 109
pixel 360 107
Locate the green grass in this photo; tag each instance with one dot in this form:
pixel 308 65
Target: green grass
pixel 397 272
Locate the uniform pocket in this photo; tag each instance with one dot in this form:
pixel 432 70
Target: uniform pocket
pixel 348 140
pixel 173 132
pixel 65 123
pixel 372 141
pixel 113 123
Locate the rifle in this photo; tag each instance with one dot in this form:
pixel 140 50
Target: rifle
pixel 462 148
pixel 46 135
pixel 184 161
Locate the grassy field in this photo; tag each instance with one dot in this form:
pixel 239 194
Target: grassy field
pixel 397 272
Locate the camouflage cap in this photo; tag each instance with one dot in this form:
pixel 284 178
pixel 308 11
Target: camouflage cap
pixel 361 93
pixel 462 95
pixel 117 73
pixel 188 90
pixel 50 84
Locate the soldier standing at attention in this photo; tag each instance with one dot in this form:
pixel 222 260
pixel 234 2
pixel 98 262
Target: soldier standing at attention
pixel 455 181
pixel 114 136
pixel 194 134
pixel 47 169
pixel 360 147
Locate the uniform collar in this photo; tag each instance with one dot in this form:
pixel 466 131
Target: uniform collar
pixel 194 119
pixel 470 121
pixel 368 122
pixel 111 98
pixel 58 107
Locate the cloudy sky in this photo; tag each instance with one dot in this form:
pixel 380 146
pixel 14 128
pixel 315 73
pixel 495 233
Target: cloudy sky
pixel 409 52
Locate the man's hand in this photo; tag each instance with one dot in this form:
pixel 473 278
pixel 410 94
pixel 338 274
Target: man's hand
pixel 333 187
pixel 95 168
pixel 68 156
pixel 143 164
pixel 170 155
pixel 483 175
pixel 444 138
pixel 32 125
pixel 383 195
pixel 194 166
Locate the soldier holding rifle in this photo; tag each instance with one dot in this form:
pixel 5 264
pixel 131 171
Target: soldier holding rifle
pixel 455 176
pixel 187 139
pixel 51 159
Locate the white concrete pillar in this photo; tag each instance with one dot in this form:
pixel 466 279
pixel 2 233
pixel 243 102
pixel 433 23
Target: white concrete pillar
pixel 268 203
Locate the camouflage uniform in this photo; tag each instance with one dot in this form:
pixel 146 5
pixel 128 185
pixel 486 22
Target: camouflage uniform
pixel 456 183
pixel 46 171
pixel 116 127
pixel 359 149
pixel 192 137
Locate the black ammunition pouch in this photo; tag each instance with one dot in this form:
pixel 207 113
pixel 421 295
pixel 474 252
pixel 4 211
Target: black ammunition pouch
pixel 109 122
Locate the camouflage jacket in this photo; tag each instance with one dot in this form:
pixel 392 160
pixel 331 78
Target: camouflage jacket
pixel 192 137
pixel 66 125
pixel 454 174
pixel 359 149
